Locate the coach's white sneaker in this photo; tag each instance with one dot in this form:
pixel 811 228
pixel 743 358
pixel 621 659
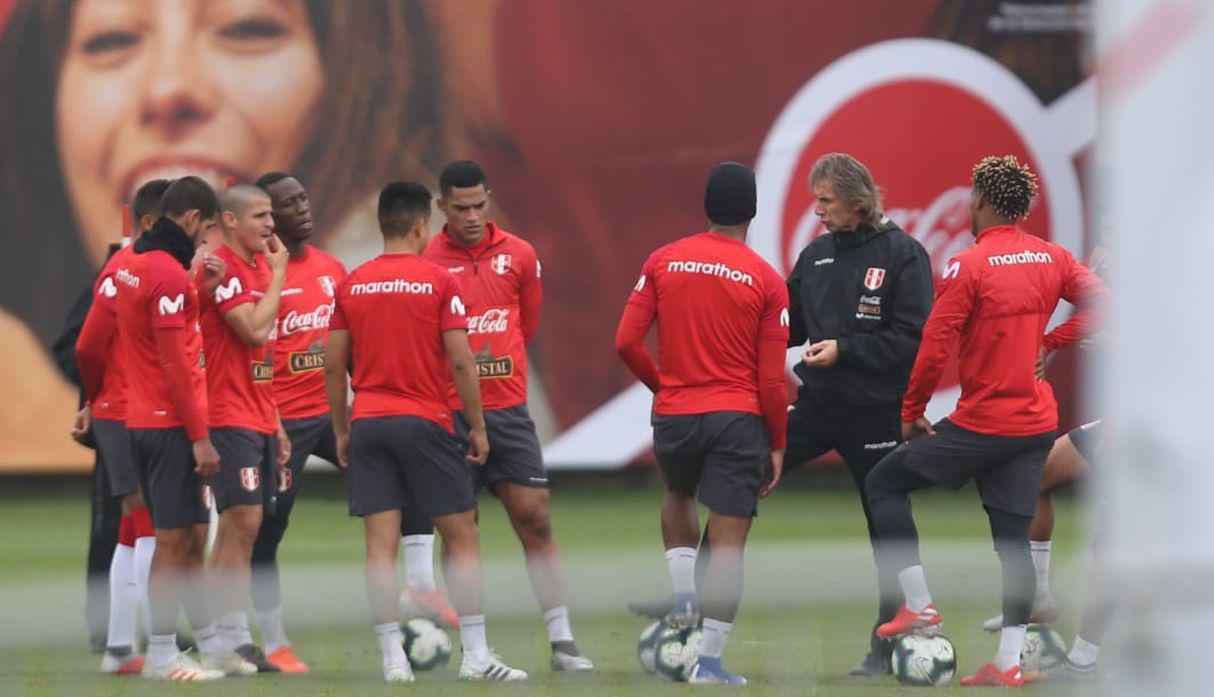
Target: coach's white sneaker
pixel 567 662
pixel 228 663
pixel 181 669
pixel 491 671
pixel 398 672
pixel 1045 610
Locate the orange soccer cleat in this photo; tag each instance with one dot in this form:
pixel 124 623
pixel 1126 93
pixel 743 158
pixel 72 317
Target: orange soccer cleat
pixel 284 657
pixel 990 676
pixel 907 621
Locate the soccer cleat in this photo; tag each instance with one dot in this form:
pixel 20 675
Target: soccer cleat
pixel 927 621
pixel 877 662
pixel 1064 671
pixel 130 664
pixel 398 672
pixel 432 603
pixel 228 663
pixel 990 676
pixel 492 671
pixel 181 669
pixel 1045 611
pixel 285 659
pixel 256 657
pixel 655 609
pixel 684 612
pixel 563 661
pixel 708 671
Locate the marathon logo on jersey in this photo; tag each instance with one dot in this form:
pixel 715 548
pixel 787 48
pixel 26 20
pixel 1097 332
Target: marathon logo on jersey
pixel 284 480
pixel 874 277
pixel 107 288
pixel 250 478
pixel 307 361
pixel 226 291
pixel 1028 256
pixel 296 321
pixel 495 321
pixel 126 278
pixel 827 260
pixel 263 370
pixel 883 445
pixel 170 306
pixel 396 285
pixel 710 269
pixel 490 367
pixel 500 264
pixel 328 285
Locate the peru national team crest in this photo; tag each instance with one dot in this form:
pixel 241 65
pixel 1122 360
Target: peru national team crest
pixel 250 478
pixel 284 480
pixel 327 283
pixel 874 277
pixel 500 264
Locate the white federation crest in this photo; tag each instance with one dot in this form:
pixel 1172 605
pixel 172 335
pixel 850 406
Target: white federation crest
pixel 250 478
pixel 329 285
pixel 874 277
pixel 500 264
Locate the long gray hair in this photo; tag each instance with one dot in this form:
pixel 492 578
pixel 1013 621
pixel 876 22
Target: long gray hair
pixel 853 183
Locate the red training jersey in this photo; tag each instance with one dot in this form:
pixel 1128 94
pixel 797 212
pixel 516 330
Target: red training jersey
pixel 500 281
pixel 396 308
pixel 715 300
pixel 239 377
pixel 155 293
pixel 303 327
pixel 997 297
pixel 110 401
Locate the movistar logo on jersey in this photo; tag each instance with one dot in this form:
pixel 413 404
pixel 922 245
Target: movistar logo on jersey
pixel 171 306
pixel 718 269
pixel 226 291
pixel 107 288
pixel 396 285
pixel 1026 257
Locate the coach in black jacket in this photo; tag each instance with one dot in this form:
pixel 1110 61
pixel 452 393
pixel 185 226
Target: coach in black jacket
pixel 859 295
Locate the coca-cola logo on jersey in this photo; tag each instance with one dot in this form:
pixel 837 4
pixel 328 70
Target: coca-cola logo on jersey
pixel 296 321
pixel 495 321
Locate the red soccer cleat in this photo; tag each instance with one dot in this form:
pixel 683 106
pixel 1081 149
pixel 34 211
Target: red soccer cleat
pixel 907 621
pixel 284 657
pixel 990 676
pixel 431 603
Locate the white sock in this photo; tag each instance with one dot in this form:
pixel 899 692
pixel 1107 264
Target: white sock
pixel 914 588
pixel 209 640
pixel 716 633
pixel 145 547
pixel 557 622
pixel 124 598
pixel 418 551
pixel 162 648
pixel 391 643
pixel 472 639
pixel 1011 643
pixel 234 629
pixel 682 564
pixel 1040 551
pixel 272 631
pixel 1083 652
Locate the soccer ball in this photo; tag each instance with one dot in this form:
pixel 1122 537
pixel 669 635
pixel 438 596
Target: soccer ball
pixel 1043 649
pixel 924 661
pixel 647 645
pixel 676 652
pixel 426 644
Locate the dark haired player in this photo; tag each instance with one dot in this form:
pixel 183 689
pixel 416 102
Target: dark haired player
pixel 995 302
pixel 720 405
pixel 160 345
pixel 499 274
pixel 304 310
pixel 398 446
pixel 238 321
pixel 104 416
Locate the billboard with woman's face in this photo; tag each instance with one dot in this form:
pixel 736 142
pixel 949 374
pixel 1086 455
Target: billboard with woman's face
pixel 596 123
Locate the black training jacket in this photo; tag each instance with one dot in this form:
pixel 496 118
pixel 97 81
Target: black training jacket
pixel 871 289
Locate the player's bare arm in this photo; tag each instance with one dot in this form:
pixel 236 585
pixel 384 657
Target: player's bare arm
pixel 253 322
pixel 467 385
pixel 337 387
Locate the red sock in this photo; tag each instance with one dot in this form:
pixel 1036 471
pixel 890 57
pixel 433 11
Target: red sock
pixel 126 531
pixel 142 521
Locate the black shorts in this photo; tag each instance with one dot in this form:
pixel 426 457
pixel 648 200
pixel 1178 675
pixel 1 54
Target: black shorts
pixel 1007 469
pixel 862 434
pixel 1086 438
pixel 514 448
pixel 724 454
pixel 174 493
pixel 397 460
pixel 311 436
pixel 247 475
pixel 114 444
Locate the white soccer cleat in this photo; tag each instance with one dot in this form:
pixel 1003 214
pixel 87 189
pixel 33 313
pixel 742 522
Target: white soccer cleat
pixel 181 669
pixel 492 671
pixel 567 662
pixel 228 663
pixel 398 672
pixel 1045 611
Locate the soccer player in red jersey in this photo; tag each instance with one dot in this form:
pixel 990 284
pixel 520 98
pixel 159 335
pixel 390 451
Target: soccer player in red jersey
pixel 720 408
pixel 238 321
pixel 160 349
pixel 995 303
pixel 312 277
pixel 399 447
pixel 500 277
pixel 104 416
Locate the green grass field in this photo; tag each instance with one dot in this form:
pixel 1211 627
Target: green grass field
pixel 804 620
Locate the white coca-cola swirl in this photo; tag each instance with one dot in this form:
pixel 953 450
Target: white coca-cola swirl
pixel 495 321
pixel 296 321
